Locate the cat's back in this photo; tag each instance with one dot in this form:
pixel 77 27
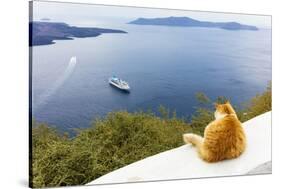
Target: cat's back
pixel 226 138
pixel 223 130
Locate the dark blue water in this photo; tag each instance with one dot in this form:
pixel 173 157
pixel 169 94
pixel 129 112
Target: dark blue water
pixel 163 65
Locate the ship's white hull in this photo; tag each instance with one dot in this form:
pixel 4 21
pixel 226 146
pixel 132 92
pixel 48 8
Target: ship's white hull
pixel 124 88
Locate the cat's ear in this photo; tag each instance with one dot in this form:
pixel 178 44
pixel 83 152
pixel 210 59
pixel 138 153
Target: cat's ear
pixel 215 105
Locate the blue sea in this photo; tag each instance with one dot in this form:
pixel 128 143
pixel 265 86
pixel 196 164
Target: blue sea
pixel 163 65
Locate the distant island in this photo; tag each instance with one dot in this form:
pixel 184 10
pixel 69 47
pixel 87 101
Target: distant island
pixel 44 33
pixel 189 22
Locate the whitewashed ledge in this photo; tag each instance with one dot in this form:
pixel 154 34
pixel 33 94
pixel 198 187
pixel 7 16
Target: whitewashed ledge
pixel 183 162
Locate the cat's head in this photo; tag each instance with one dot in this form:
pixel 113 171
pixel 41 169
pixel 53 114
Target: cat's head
pixel 223 110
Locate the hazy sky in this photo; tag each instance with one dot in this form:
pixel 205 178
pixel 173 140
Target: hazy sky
pixel 83 14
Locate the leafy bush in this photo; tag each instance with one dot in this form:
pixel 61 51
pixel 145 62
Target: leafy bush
pixel 204 114
pixel 259 104
pixel 118 140
pixel 201 118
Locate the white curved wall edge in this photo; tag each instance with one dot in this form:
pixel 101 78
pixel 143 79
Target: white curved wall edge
pixel 183 162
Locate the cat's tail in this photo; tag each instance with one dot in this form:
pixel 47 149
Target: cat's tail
pixel 198 142
pixel 193 139
pixel 203 150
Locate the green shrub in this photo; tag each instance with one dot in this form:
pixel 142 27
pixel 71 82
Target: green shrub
pixel 113 142
pixel 201 118
pixel 259 104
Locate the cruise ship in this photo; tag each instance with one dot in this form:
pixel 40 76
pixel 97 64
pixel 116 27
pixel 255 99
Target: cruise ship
pixel 120 84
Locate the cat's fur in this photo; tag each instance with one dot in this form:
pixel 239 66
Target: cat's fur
pixel 224 138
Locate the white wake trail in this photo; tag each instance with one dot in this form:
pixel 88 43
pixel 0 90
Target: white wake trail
pixel 43 99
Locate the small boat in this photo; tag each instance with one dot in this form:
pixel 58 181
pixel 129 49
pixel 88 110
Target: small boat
pixel 118 83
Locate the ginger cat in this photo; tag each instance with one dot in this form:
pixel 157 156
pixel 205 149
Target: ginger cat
pixel 224 138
